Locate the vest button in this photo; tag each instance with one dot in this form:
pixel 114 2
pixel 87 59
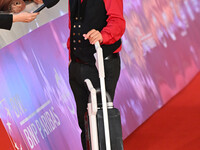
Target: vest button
pixel 74 48
pixel 76 18
pixel 74 26
pixel 74 41
pixel 79 26
pixel 74 34
pixel 79 41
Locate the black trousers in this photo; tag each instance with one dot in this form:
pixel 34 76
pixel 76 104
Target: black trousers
pixel 78 73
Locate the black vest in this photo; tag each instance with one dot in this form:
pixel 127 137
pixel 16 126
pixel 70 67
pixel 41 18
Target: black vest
pixel 90 14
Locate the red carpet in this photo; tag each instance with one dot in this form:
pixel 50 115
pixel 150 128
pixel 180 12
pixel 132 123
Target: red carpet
pixel 5 143
pixel 176 126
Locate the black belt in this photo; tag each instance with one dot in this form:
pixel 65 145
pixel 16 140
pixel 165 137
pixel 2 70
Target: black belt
pixel 112 56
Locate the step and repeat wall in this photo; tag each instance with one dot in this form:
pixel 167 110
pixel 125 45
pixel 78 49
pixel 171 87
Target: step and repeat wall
pixel 160 56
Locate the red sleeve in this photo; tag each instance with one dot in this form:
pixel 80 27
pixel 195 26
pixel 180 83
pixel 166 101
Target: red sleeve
pixel 69 25
pixel 115 23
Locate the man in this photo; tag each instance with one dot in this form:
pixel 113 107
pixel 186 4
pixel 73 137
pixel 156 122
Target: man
pixel 15 6
pixel 91 21
pixel 6 20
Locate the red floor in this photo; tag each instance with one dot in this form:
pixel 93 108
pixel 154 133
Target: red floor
pixel 5 143
pixel 174 127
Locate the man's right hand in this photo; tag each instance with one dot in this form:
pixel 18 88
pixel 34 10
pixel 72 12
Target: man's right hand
pixel 24 17
pixel 69 62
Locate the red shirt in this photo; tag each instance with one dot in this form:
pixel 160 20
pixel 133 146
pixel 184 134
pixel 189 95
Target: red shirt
pixel 115 27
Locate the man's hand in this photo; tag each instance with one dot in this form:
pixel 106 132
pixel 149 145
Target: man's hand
pixel 69 62
pixel 24 17
pixel 38 1
pixel 93 36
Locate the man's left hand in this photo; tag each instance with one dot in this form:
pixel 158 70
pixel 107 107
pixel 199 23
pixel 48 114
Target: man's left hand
pixel 93 36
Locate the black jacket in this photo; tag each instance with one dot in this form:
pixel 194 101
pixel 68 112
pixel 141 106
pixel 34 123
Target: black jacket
pixel 90 14
pixel 6 21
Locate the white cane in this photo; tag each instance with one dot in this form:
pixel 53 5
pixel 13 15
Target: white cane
pixel 100 64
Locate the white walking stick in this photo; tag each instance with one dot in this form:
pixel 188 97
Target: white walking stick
pixel 100 63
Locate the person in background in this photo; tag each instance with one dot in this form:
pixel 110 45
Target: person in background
pixel 91 21
pixel 6 20
pixel 16 6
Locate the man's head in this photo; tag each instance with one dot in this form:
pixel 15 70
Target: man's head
pixel 13 6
